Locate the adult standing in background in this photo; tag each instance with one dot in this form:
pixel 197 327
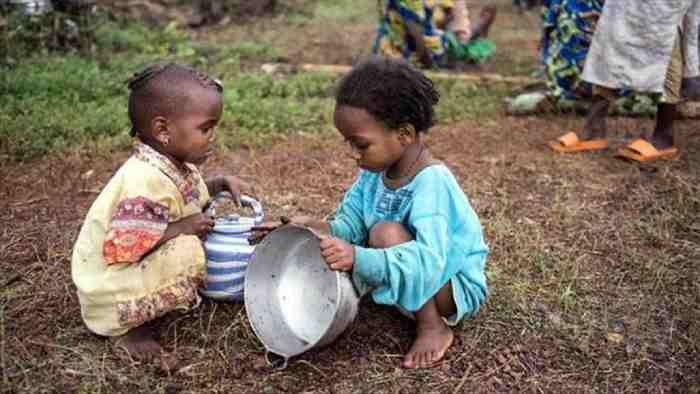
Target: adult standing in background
pixel 568 28
pixel 691 81
pixel 433 33
pixel 638 46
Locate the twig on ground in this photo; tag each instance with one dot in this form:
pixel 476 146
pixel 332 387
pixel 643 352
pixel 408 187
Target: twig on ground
pixel 317 369
pixel 29 202
pixel 464 380
pixel 19 275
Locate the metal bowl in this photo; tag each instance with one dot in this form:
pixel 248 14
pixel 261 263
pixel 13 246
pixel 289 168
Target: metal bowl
pixel 294 302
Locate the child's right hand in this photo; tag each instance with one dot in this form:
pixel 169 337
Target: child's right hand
pixel 339 255
pixel 198 224
pixel 262 230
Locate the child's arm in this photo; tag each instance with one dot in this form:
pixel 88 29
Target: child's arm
pixel 320 226
pixel 198 224
pixel 228 183
pixel 262 230
pixel 411 272
pixel 346 225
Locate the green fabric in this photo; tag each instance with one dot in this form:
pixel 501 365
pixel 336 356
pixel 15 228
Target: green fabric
pixel 475 51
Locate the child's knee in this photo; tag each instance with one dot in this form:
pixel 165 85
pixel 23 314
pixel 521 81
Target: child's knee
pixel 387 234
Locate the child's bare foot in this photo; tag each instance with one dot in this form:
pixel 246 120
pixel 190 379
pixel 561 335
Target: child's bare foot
pixel 432 341
pixel 139 343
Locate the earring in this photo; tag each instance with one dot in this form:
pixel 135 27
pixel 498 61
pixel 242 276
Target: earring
pixel 405 134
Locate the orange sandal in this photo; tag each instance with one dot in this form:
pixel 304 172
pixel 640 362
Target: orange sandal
pixel 569 143
pixel 642 150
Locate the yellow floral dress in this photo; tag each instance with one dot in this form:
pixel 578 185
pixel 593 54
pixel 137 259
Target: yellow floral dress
pixel 123 281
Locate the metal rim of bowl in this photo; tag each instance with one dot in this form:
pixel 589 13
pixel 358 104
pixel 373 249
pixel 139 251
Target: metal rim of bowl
pixel 336 276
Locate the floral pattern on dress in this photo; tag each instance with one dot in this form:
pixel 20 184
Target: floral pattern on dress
pixel 393 39
pixel 392 35
pixel 186 179
pixel 136 227
pixel 181 294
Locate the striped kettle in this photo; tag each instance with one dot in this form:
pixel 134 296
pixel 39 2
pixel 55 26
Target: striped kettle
pixel 229 251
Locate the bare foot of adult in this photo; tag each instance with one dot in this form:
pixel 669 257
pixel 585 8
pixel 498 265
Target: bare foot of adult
pixel 595 126
pixel 139 343
pixel 430 346
pixel 662 136
pixel 690 88
pixel 660 140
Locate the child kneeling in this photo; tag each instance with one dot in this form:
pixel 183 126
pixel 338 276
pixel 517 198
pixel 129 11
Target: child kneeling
pixel 139 254
pixel 405 229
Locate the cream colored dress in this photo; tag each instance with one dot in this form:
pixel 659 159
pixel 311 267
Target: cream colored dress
pixel 634 43
pixel 122 280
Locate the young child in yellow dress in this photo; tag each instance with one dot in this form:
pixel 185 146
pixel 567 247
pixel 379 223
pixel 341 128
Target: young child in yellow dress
pixel 139 254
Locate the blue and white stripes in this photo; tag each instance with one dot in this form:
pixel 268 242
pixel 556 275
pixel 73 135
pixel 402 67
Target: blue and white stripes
pixel 228 253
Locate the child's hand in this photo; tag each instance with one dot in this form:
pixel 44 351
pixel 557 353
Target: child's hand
pixel 231 184
pixel 260 231
pixel 198 224
pixel 235 186
pixel 339 254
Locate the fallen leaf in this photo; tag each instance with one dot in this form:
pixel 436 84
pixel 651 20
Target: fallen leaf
pixel 615 337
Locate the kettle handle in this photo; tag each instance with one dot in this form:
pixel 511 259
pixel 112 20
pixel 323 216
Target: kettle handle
pixel 246 201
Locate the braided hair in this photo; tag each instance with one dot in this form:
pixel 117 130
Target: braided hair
pixel 392 91
pixel 161 90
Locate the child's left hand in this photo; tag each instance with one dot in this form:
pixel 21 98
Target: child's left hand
pixel 235 186
pixel 228 183
pixel 339 254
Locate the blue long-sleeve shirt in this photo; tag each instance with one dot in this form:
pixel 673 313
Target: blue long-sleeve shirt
pixel 448 240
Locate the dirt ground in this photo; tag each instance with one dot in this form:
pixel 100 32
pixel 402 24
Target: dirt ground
pixel 593 274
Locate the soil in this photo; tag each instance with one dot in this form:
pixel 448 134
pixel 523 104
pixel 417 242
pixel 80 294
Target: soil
pixel 593 273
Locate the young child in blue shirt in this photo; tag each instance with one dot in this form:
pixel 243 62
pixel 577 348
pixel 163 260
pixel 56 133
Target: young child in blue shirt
pixel 405 229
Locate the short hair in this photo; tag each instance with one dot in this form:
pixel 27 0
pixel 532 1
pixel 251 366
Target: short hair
pixel 392 90
pixel 162 89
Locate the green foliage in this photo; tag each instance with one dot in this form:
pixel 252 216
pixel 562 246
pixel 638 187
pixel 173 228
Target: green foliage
pixel 59 102
pixel 464 100
pixel 261 51
pixel 342 10
pixel 259 106
pixel 56 100
pixel 137 39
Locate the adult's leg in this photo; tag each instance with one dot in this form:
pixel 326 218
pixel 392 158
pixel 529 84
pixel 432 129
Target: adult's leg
pixel 595 125
pixel 662 136
pixel 433 335
pixel 691 88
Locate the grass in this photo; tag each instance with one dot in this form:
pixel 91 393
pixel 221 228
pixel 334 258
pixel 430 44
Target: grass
pixel 57 101
pixel 593 267
pixel 592 277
